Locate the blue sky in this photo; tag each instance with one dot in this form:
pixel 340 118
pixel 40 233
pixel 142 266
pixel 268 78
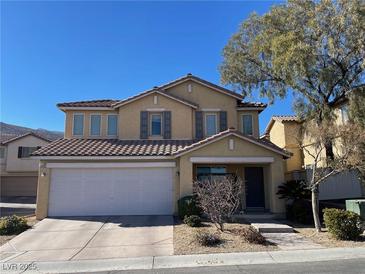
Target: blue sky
pixel 55 52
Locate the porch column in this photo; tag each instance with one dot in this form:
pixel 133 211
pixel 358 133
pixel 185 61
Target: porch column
pixel 186 176
pixel 44 177
pixel 276 170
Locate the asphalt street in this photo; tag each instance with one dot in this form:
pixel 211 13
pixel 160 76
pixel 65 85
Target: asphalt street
pixel 350 266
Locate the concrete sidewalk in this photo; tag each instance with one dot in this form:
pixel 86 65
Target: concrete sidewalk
pixel 164 262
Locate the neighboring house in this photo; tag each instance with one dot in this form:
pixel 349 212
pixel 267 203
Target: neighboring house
pixel 286 132
pixel 19 173
pixel 139 155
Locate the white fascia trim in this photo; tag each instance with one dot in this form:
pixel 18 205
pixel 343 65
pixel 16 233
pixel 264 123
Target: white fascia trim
pixel 222 160
pixel 111 165
pixel 204 84
pixel 86 108
pixel 224 136
pixel 149 93
pixel 101 158
pixel 250 108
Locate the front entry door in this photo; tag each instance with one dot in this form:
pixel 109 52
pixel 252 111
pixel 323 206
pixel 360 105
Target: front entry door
pixel 255 192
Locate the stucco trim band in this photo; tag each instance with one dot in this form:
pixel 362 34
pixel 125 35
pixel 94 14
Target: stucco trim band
pixel 246 160
pixel 111 165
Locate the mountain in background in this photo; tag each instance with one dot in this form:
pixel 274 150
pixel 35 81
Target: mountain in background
pixel 9 131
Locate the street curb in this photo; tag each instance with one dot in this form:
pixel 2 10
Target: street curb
pixel 186 261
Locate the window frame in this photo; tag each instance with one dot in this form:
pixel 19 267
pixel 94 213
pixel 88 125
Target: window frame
pixel 100 125
pixel 26 157
pixel 150 115
pixel 242 123
pixel 107 125
pixel 206 114
pixel 73 124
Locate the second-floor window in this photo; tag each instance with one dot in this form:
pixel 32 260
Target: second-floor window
pixel 95 124
pixel 247 124
pixel 24 152
pixel 78 125
pixel 156 124
pixel 2 152
pixel 210 124
pixel 112 125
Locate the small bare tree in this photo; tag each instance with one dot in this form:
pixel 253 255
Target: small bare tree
pixel 346 140
pixel 219 198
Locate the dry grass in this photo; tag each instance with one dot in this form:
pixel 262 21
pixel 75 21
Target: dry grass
pixel 185 242
pixel 325 238
pixel 31 220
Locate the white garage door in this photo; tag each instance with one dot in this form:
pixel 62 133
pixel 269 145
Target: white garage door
pixel 111 191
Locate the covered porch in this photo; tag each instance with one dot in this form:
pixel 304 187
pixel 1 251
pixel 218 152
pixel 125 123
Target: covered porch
pixel 255 196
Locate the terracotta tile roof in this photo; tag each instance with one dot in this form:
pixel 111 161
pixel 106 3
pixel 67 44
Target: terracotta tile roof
pixel 113 147
pixel 7 139
pixel 230 131
pixel 251 104
pixel 92 103
pixel 286 118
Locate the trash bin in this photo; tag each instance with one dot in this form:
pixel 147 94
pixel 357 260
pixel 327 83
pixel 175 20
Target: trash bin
pixel 357 206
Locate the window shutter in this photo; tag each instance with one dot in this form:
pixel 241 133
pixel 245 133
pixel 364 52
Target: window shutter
pixel 144 125
pixel 20 152
pixel 167 124
pixel 198 124
pixel 222 120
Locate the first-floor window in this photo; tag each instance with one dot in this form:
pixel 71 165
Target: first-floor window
pixel 207 173
pixel 78 125
pixel 112 125
pixel 24 152
pixel 247 124
pixel 210 124
pixel 156 124
pixel 95 124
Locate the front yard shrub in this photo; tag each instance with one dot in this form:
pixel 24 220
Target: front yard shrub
pixel 251 235
pixel 12 225
pixel 208 239
pixel 342 224
pixel 294 190
pixel 187 206
pixel 192 220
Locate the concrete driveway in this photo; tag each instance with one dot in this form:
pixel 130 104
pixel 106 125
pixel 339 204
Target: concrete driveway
pixel 83 238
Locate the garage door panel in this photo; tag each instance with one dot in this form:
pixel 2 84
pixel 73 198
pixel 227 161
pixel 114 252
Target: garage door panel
pixel 123 191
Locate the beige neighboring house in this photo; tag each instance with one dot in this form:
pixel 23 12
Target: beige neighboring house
pixel 19 172
pixel 286 132
pixel 139 155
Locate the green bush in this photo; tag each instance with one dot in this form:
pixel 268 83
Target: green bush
pixel 342 224
pixel 187 206
pixel 295 190
pixel 192 220
pixel 12 225
pixel 208 239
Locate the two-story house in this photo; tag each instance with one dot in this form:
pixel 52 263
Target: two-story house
pixel 139 155
pixel 18 171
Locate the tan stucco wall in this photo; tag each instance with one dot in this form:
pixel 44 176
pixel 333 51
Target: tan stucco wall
pixel 277 134
pixel 207 99
pixel 15 164
pixel 181 117
pixel 104 116
pixel 274 177
pixel 44 178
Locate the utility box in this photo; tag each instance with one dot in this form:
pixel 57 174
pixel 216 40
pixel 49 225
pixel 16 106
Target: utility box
pixel 357 206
